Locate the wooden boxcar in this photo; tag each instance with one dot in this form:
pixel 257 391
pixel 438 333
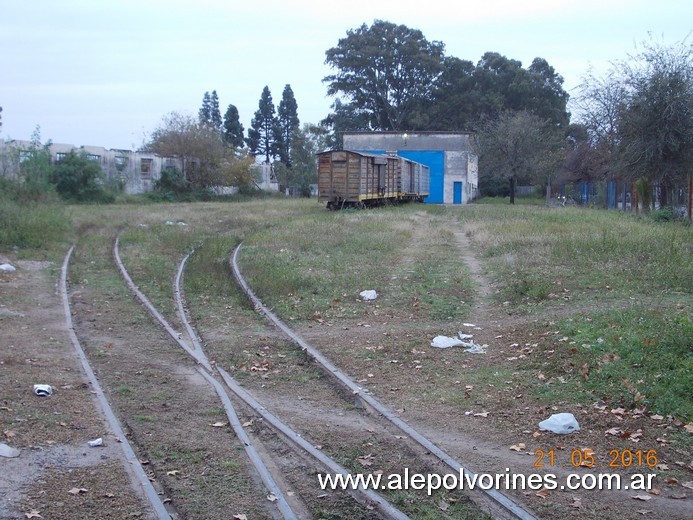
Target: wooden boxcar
pixel 354 179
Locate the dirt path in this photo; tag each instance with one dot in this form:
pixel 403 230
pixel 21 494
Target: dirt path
pixel 52 433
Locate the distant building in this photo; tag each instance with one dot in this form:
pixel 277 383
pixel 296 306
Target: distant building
pixel 449 155
pixel 135 171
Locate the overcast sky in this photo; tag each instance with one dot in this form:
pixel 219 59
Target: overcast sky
pixel 104 72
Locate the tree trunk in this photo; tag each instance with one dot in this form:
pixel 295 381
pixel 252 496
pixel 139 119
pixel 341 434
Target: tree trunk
pixel 690 196
pixel 663 196
pixel 512 189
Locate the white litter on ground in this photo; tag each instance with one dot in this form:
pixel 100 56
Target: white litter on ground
pixel 446 342
pixel 7 268
pixel 368 295
pixel 469 346
pixel 561 423
pixel 43 390
pixel 8 451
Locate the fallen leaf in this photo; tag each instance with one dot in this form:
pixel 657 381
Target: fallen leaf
pixel 173 472
pixel 671 481
pixel 34 513
pixel 518 447
pixel 654 491
pixel 644 498
pixel 689 428
pixel 218 424
pixel 577 503
pixel 543 493
pixel 662 467
pixel 240 517
pixel 271 497
pixel 614 431
pixel 77 491
pixel 9 434
pixel 643 512
pixel 482 414
pixel 618 411
pixel 443 505
pixel 656 417
pixel 248 423
pixel 688 485
pixel 366 461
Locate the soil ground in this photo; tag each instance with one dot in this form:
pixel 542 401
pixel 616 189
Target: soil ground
pixel 169 412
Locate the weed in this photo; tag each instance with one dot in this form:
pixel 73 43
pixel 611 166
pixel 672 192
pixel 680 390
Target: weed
pixel 124 390
pixel 145 418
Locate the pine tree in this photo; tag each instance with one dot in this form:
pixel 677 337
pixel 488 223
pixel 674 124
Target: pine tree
pixel 262 134
pixel 209 114
pixel 215 116
pixel 288 124
pixel 205 113
pixel 233 129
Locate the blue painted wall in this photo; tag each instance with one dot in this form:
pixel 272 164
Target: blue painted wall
pixel 434 159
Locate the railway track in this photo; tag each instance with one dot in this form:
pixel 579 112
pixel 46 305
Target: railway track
pixel 228 389
pixel 418 451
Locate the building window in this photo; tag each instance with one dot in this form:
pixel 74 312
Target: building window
pixel 93 157
pixel 120 162
pixel 146 166
pixel 25 155
pixel 60 156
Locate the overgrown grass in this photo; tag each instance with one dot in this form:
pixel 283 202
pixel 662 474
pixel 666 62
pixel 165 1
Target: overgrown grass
pixel 319 262
pixel 26 223
pixel 542 253
pixel 637 357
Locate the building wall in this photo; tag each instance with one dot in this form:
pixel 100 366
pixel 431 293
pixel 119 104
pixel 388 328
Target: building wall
pixel 449 155
pixel 135 171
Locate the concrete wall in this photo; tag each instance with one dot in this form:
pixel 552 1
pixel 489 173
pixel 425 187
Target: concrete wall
pixel 449 155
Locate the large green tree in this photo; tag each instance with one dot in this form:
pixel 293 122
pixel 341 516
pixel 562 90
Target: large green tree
pixel 288 123
pixel 233 129
pixel 467 94
pixel 345 117
pixel 264 129
pixel 386 70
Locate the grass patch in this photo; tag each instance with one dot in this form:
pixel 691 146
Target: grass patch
pixel 631 358
pixel 319 263
pixel 124 390
pixel 35 225
pixel 544 253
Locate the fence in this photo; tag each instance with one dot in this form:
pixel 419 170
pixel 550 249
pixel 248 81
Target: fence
pixel 621 195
